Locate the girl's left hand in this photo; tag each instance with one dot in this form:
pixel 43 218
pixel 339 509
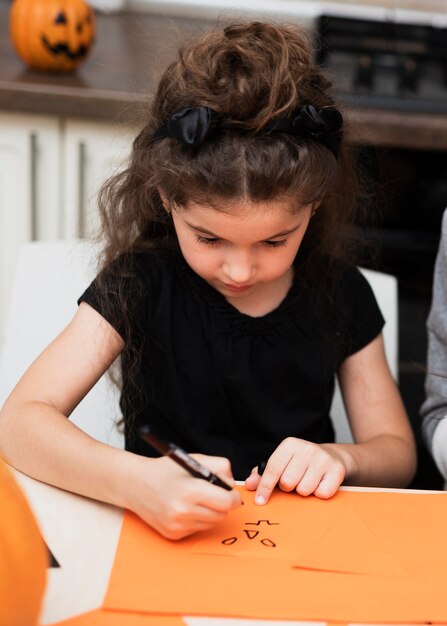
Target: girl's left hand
pixel 296 464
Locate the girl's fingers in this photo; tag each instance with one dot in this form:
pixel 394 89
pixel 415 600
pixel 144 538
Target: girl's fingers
pixel 209 496
pixel 199 511
pixel 272 474
pixel 304 468
pixel 329 484
pixel 177 531
pixel 218 465
pixel 309 481
pixel 252 481
pixel 204 514
pixel 293 474
pixel 301 466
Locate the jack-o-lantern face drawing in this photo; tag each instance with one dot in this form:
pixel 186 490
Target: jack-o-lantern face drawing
pixel 52 35
pixel 253 533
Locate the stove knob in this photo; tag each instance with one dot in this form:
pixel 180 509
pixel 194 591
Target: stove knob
pixel 364 74
pixel 409 73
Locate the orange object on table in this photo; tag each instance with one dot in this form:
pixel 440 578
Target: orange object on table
pixel 23 556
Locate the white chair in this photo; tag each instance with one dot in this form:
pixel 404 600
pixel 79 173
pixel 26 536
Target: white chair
pixel 50 276
pixel 384 287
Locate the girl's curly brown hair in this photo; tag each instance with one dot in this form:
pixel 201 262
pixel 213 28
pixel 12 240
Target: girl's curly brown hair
pixel 249 74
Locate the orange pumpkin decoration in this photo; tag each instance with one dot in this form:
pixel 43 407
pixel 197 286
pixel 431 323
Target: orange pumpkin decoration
pixel 23 557
pixel 52 35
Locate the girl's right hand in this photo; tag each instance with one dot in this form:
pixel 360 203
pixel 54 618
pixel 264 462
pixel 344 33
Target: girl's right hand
pixel 175 503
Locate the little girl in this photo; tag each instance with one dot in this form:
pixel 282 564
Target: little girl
pixel 228 291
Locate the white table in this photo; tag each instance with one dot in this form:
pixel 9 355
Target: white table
pixel 83 535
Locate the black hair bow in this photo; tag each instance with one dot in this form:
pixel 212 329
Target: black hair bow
pixel 322 125
pixel 191 126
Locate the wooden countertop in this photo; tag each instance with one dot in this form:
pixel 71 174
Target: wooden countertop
pixel 123 68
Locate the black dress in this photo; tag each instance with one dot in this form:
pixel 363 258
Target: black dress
pixel 220 382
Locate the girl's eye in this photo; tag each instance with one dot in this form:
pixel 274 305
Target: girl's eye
pixel 275 244
pixel 210 241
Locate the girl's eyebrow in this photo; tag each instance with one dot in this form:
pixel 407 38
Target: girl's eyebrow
pixel 205 231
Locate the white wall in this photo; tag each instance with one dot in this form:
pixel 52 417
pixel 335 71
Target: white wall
pixel 108 6
pixel 408 11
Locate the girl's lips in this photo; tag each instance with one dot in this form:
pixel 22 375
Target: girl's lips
pixel 237 287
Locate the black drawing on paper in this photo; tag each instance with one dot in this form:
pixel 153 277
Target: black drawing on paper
pixel 251 534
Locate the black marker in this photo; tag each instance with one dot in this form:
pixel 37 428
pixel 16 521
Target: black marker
pixel 261 467
pixel 181 457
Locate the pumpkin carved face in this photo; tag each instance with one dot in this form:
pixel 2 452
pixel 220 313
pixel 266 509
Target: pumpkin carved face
pixel 52 35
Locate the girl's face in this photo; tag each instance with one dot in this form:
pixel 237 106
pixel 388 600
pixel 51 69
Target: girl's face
pixel 245 251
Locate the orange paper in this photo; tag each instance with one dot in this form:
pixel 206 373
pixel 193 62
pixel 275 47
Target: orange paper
pixel 328 553
pixel 100 617
pixel 358 557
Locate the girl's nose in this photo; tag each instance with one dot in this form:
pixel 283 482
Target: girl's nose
pixel 239 268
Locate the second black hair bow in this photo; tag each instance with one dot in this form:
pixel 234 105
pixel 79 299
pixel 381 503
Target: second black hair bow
pixel 308 118
pixel 322 125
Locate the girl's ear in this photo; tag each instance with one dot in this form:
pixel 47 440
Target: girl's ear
pixel 315 207
pixel 164 200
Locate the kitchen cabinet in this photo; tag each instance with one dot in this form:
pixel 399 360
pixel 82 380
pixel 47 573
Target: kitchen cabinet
pixel 29 189
pixel 51 169
pixel 92 152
